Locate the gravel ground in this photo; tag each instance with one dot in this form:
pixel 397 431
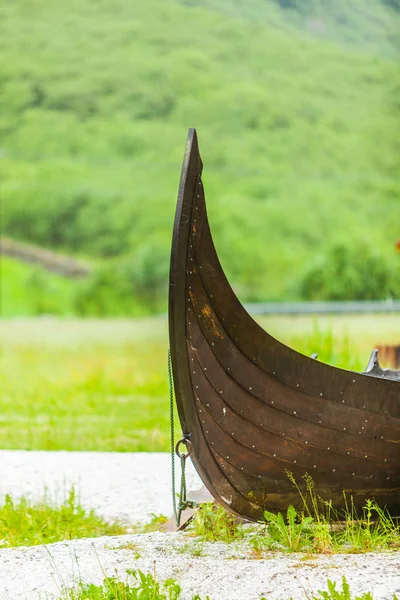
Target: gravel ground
pixel 130 486
pixel 127 486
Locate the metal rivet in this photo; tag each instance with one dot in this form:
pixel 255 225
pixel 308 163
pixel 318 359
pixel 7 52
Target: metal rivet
pixel 333 470
pixel 366 456
pixel 344 428
pixel 294 412
pixel 321 394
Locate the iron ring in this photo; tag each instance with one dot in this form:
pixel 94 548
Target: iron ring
pixel 189 448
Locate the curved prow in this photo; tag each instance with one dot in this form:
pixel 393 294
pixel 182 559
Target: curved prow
pixel 255 408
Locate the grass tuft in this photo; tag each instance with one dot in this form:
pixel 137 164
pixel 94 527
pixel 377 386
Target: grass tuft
pixel 144 587
pixel 23 523
pixel 317 528
pixel 213 523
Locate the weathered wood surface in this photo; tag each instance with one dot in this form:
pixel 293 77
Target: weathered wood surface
pixel 256 408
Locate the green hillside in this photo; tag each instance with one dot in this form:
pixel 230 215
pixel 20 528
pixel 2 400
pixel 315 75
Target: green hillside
pixel 297 110
pixel 30 291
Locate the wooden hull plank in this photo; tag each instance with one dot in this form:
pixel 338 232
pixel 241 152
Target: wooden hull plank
pixel 255 408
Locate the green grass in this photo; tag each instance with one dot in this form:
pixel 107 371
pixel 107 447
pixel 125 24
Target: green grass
pixel 102 384
pixel 316 528
pixel 146 587
pixel 345 593
pixel 24 523
pixel 297 112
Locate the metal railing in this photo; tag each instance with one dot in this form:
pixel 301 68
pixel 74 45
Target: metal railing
pixel 323 308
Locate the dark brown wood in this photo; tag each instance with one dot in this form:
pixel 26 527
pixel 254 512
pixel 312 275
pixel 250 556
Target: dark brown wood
pixel 255 408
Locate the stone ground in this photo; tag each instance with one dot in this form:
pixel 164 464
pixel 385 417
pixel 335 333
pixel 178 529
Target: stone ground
pixel 131 487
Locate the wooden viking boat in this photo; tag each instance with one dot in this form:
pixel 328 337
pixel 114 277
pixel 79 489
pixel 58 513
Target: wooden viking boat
pixel 254 409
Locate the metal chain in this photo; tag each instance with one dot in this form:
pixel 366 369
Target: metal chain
pixel 182 496
pixel 183 502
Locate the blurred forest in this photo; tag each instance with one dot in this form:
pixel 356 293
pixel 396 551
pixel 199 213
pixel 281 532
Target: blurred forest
pixel 297 107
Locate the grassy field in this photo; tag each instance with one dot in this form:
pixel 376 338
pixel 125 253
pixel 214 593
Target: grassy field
pixel 102 384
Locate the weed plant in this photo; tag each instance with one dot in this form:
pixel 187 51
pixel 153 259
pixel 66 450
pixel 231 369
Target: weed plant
pixel 24 523
pixel 341 594
pixel 316 528
pixel 213 523
pixel 144 587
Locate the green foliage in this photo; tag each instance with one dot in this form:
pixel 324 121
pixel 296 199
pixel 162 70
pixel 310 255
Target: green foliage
pixel 93 131
pixel 350 273
pixel 213 523
pixel 373 530
pixel 155 524
pixel 344 594
pixel 145 587
pixel 23 523
pixel 318 528
pixel 294 534
pixel 30 291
